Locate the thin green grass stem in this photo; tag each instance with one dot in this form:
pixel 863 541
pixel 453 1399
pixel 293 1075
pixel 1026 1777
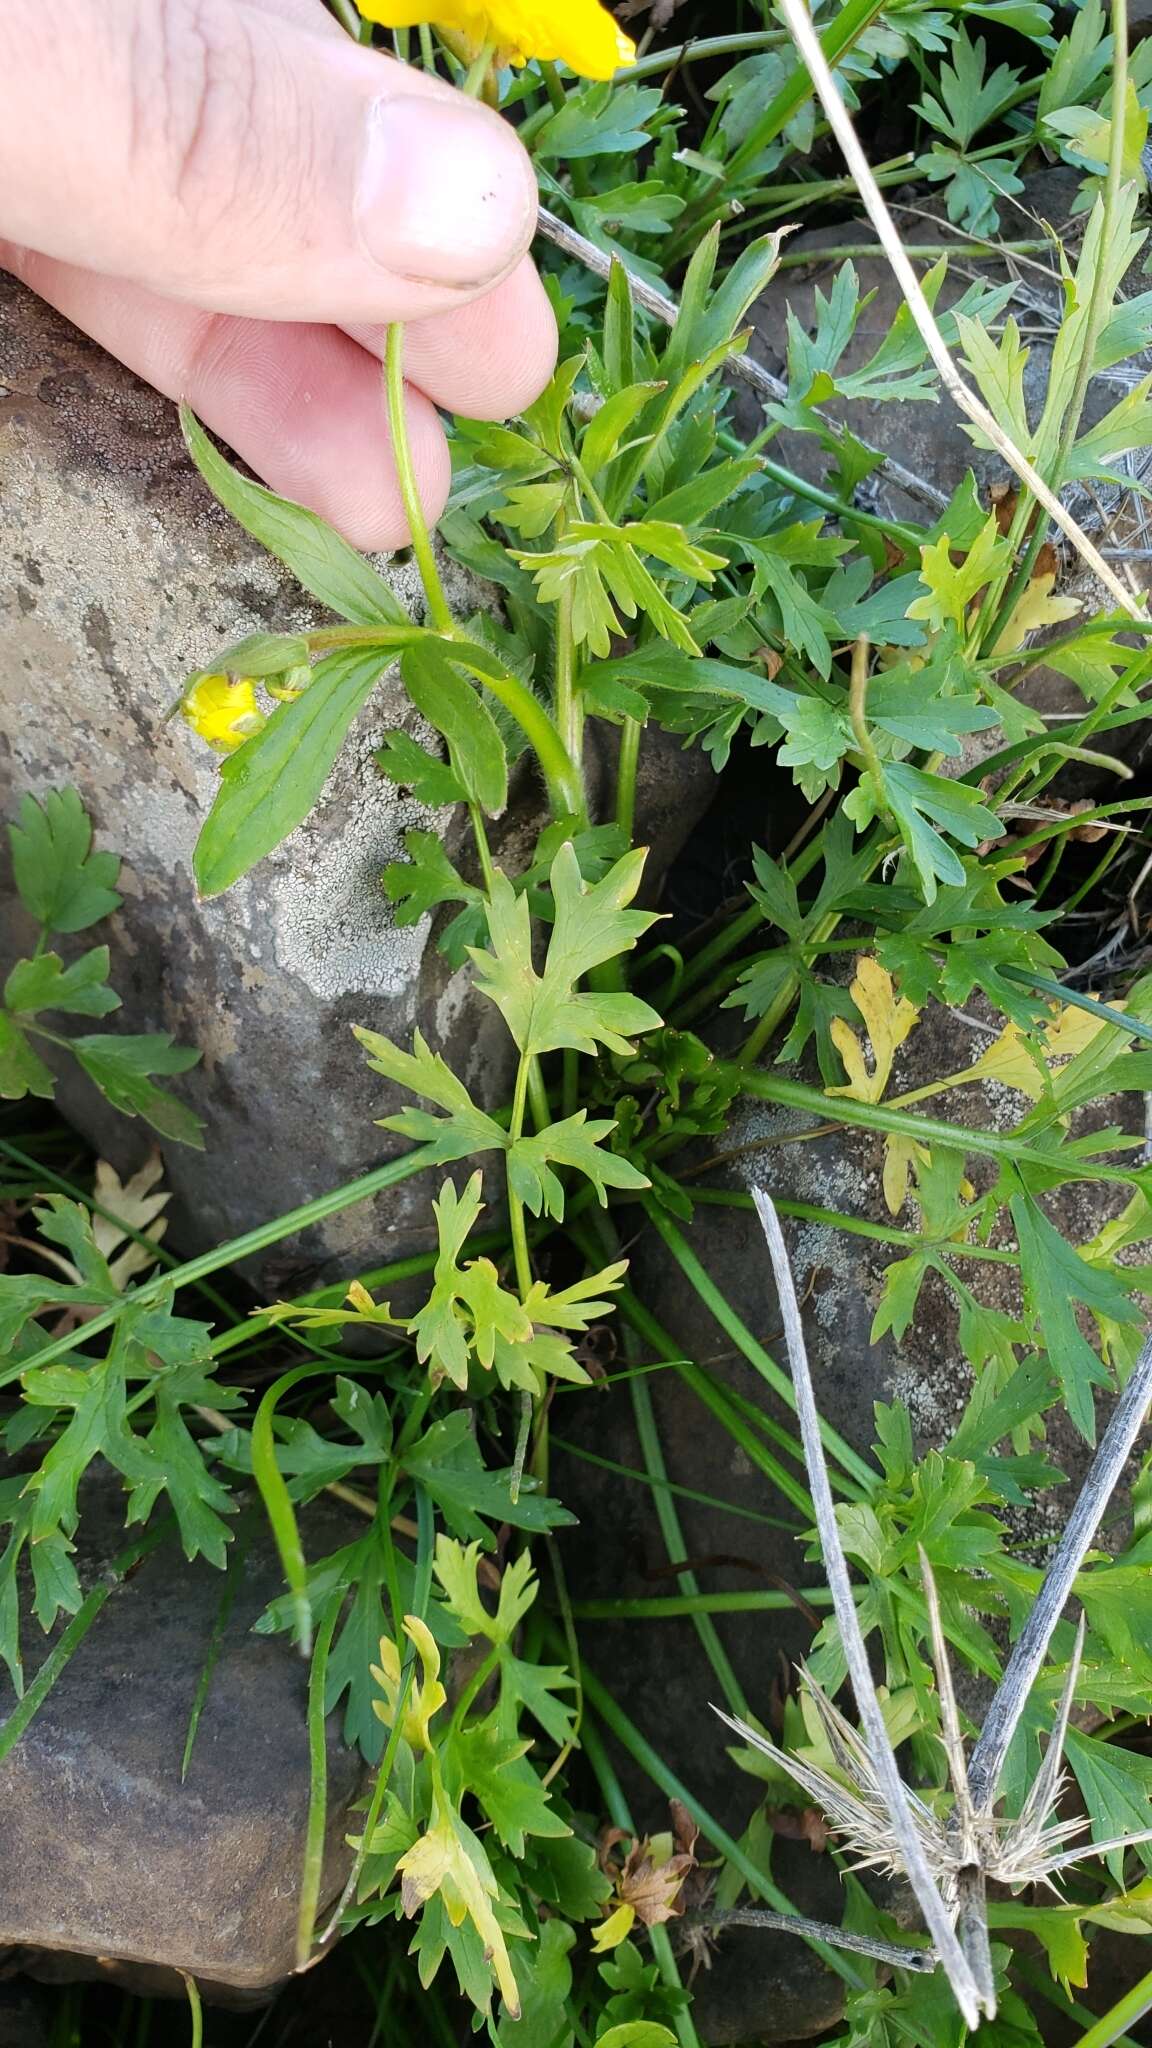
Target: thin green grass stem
pixel 313 1871
pixel 836 1446
pixel 928 1130
pixel 22 1715
pixel 1112 2025
pixel 704 1500
pixel 676 1606
pixel 652 1452
pixel 195 2010
pixel 236 1249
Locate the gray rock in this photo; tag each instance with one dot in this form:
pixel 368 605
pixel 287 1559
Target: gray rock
pixel 118 576
pixel 768 1988
pixel 928 437
pixel 105 1852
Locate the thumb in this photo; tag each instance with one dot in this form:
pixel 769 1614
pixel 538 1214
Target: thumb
pixel 250 162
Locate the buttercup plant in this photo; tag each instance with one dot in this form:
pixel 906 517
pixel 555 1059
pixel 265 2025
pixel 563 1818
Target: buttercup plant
pixel 661 564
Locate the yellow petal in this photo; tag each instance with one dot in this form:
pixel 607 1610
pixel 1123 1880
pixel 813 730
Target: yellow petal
pixel 614 1930
pixel 223 712
pixel 579 33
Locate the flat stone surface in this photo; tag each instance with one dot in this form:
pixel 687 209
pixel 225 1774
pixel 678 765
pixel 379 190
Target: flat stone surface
pixel 104 1851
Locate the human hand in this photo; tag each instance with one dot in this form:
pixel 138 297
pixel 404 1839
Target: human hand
pixel 235 199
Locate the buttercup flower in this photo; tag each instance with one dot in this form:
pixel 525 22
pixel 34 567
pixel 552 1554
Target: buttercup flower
pixel 579 33
pixel 223 712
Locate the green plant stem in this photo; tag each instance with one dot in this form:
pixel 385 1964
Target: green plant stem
pixel 909 537
pixel 278 1501
pixel 652 1452
pixel 569 708
pixel 717 1303
pixel 719 1402
pixel 313 1871
pixel 195 2010
pixel 877 1116
pixel 699 52
pixel 628 762
pixel 483 850
pixel 846 28
pixel 705 1500
pixel 926 252
pixel 1098 309
pixel 1127 2010
pixel 858 711
pixel 808 192
pixel 857 1226
pixel 697 1605
pixel 233 1252
pixel 477 75
pixel 439 611
pixel 475 1687
pixel 515 1205
pixel 347 16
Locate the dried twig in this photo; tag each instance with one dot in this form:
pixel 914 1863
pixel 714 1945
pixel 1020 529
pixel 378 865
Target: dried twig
pixel 880 1752
pixel 744 367
pixel 716 1919
pixel 881 1822
pixel 807 43
pixel 1031 1645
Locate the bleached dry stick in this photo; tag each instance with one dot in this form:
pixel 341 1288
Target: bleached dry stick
pixel 1031 1646
pixel 807 43
pixel 815 1930
pixel 744 367
pixel 936 1915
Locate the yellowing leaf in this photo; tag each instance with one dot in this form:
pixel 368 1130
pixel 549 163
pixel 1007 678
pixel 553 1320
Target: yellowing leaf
pixel 426 1696
pixel 899 1154
pixel 448 1859
pixel 889 1020
pixel 1014 1058
pixel 1037 607
pixel 134 1204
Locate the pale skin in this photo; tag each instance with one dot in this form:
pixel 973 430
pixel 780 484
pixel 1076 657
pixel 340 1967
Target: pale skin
pixel 236 200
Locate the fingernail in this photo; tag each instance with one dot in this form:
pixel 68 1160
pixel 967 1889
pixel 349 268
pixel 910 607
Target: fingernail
pixel 446 192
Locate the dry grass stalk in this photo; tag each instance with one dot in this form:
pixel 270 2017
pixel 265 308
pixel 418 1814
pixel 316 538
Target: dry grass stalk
pixel 952 1860
pixel 743 367
pixel 808 45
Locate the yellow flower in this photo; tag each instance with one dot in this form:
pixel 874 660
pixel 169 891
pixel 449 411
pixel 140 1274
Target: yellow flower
pixel 223 712
pixel 579 33
pixel 425 1698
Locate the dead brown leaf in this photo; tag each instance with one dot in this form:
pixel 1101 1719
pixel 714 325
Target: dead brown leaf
pixel 650 1877
pixel 804 1824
